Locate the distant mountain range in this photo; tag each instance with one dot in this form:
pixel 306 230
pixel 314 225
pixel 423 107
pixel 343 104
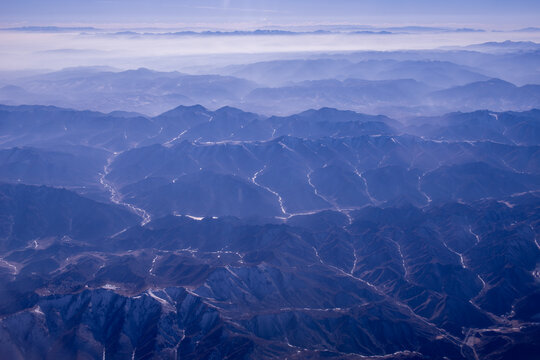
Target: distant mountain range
pixel 279 73
pixel 140 90
pixel 493 94
pixel 402 85
pixel 264 31
pixel 507 46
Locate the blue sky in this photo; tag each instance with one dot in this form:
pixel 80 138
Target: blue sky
pixel 501 13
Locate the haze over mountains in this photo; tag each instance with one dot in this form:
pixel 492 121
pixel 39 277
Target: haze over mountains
pixel 396 83
pixel 259 191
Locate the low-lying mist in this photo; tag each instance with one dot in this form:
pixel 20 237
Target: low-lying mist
pixel 53 50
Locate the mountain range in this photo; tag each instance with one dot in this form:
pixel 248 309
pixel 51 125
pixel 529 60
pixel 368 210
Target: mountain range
pixel 401 84
pixel 213 234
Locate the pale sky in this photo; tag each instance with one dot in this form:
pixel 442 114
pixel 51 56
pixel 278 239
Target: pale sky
pixel 487 13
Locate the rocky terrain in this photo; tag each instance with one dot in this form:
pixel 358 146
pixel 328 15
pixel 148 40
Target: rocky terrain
pixel 200 234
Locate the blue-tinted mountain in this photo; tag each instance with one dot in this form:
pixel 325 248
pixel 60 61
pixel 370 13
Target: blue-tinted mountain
pixel 141 90
pixel 30 212
pixel 202 193
pixel 74 166
pixel 518 128
pixel 280 72
pixel 229 234
pixel 506 46
pixel 359 95
pixel 394 83
pixel 259 290
pixel 49 126
pixel 494 94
